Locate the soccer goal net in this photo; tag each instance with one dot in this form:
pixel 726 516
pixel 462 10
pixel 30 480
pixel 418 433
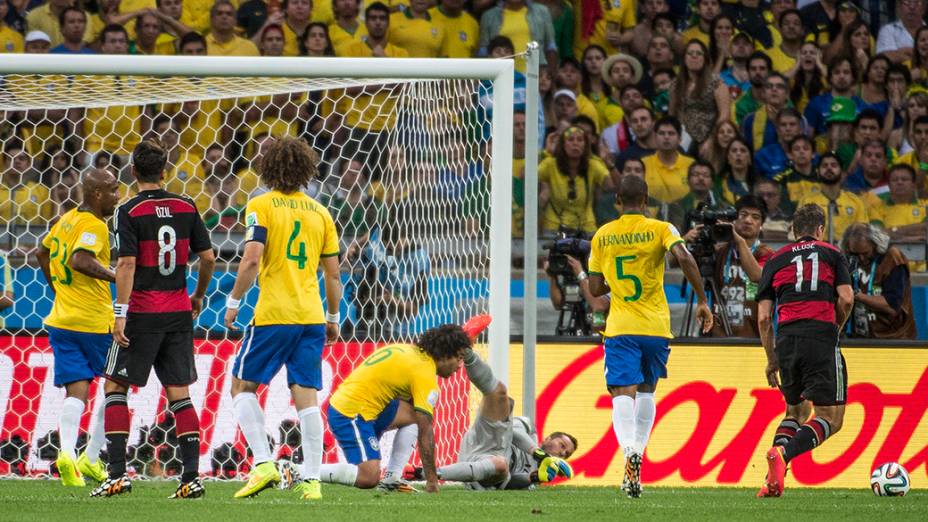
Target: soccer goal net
pixel 418 189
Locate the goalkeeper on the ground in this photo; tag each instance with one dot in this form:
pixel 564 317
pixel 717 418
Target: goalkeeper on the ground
pixel 500 451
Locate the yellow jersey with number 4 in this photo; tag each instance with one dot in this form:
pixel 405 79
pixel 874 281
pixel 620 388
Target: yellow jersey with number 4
pixel 395 371
pixel 629 253
pixel 296 232
pixel 82 303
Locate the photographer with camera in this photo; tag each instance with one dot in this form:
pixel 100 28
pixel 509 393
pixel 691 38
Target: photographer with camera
pixel 699 182
pixel 580 312
pixel 882 288
pixel 738 265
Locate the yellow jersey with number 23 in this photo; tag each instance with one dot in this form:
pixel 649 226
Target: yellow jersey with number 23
pixel 296 231
pixel 396 371
pixel 629 253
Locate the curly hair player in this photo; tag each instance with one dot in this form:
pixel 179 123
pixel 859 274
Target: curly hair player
pixel 394 387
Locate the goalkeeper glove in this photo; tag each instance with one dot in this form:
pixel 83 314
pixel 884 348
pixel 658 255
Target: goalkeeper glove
pixel 550 467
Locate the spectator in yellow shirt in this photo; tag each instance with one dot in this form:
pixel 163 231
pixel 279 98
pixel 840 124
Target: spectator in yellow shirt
pixel 785 55
pixel 23 199
pixel 607 27
pixel 346 27
pixel 45 18
pixel 414 29
pixel 842 208
pixel 707 10
pixel 271 40
pixel 569 76
pixel 148 36
pixel 461 29
pixel 222 40
pixel 182 174
pixel 293 22
pixel 666 170
pixel 11 41
pixel 899 210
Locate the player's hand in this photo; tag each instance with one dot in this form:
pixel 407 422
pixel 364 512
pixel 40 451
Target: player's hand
pixel 431 486
pixel 773 371
pixel 119 332
pixel 331 331
pixel 552 467
pixel 229 321
pixel 704 316
pixel 196 304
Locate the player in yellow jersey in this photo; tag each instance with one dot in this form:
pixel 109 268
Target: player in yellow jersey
pixel 75 259
pixel 289 235
pixel 628 255
pixel 394 387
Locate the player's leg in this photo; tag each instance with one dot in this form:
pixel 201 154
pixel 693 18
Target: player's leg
pixel 359 443
pixel 487 469
pixel 304 375
pixel 623 375
pixel 176 370
pixel 259 358
pixel 496 401
pixel 645 411
pixel 73 372
pixel 398 415
pixel 95 348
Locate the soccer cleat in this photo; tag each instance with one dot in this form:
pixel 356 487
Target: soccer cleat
pixel 395 484
pixel 309 489
pixel 67 470
pixel 112 487
pixel 633 475
pixel 476 325
pixel 776 471
pixel 265 475
pixel 96 470
pixel 192 489
pixel 764 492
pixel 289 475
pixel 625 483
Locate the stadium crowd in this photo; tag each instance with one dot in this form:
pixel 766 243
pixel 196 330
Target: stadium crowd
pixel 790 101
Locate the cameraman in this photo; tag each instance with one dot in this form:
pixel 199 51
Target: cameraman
pixel 596 305
pixel 738 266
pixel 882 288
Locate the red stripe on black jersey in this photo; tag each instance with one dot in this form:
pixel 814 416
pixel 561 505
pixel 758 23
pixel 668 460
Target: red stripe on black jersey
pixel 152 253
pixel 166 207
pixel 159 301
pixel 802 279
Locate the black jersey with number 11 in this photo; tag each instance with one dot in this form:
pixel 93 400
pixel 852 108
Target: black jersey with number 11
pixel 160 230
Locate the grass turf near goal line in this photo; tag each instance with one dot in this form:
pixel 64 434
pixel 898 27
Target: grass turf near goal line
pixel 48 500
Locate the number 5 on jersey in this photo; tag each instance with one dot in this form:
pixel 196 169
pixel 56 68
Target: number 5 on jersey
pixel 620 274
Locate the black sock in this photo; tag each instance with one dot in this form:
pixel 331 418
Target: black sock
pixel 187 427
pixel 116 427
pixel 810 435
pixel 785 432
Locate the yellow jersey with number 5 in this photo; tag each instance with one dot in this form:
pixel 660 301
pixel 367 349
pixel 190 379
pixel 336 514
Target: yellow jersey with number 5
pixel 629 254
pixel 296 232
pixel 395 371
pixel 82 303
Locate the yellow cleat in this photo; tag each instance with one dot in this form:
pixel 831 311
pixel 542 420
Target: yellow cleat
pixel 310 490
pixel 264 476
pixel 96 470
pixel 67 469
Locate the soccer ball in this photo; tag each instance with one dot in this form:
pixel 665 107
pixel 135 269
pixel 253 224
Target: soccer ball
pixel 890 480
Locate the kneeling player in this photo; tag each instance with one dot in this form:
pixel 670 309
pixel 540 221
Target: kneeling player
pixel 394 387
pixel 499 451
pixel 75 258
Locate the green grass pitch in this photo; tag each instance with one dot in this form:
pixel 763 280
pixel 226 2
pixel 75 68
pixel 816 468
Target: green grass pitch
pixel 36 500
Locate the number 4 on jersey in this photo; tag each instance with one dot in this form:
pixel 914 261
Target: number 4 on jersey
pixel 300 255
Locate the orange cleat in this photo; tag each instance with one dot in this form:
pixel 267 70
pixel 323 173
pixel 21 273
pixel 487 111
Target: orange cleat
pixel 476 325
pixel 764 492
pixel 776 471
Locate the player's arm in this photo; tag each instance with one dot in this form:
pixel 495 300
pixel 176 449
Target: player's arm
pixel 427 450
pixel 748 261
pixel 204 276
pixel 765 325
pixel 333 295
pixel 42 255
pixel 247 273
pixel 125 275
pixel 596 281
pixel 85 262
pixel 691 272
pixel 844 305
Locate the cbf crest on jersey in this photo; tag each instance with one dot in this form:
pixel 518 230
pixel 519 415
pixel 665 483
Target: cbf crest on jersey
pixel 462 35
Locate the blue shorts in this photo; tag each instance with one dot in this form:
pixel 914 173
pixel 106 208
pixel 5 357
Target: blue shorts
pixel 266 349
pixel 635 359
pixel 358 438
pixel 79 356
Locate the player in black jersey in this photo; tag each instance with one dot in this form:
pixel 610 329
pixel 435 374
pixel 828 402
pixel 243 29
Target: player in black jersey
pixel 156 231
pixel 811 286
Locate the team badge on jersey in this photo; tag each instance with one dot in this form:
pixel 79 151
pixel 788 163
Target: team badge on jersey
pixel 433 398
pixel 89 238
pixel 374 443
pixel 915 212
pixel 462 35
pixel 251 219
pixel 9 47
pixel 849 210
pixel 434 32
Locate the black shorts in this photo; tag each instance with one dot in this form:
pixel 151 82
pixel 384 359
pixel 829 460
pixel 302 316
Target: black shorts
pixel 813 369
pixel 169 353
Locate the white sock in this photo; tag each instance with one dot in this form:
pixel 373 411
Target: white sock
pixel 623 421
pixel 404 443
pixel 97 436
pixel 311 432
pixel 68 423
pixel 339 473
pixel 250 419
pixel 645 410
